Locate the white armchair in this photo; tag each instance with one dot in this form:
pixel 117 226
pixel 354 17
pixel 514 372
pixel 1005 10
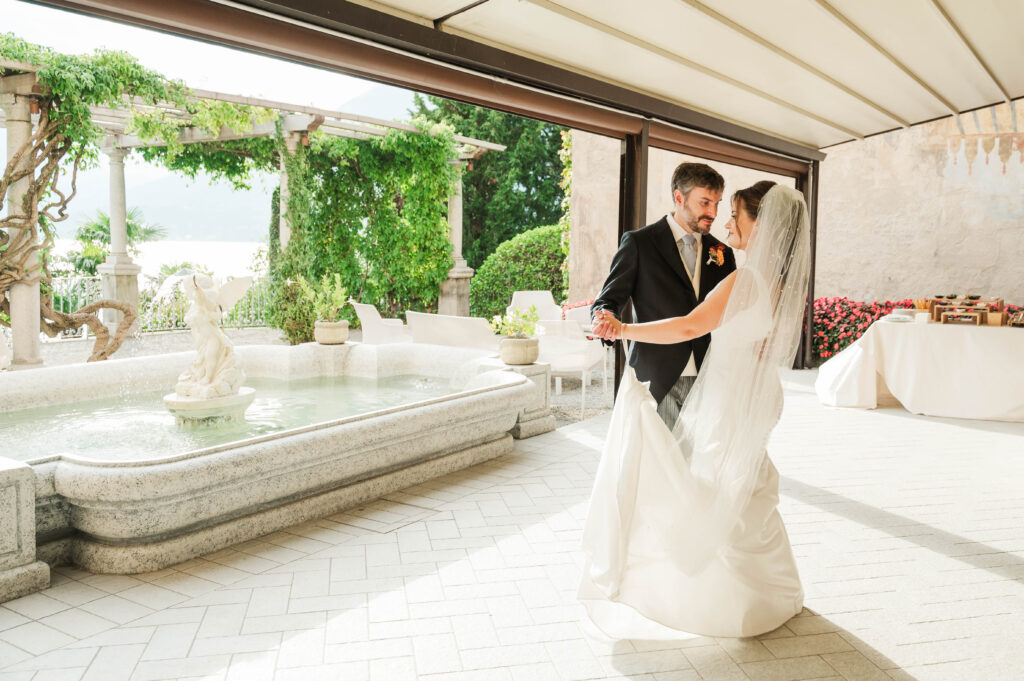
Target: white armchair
pixel 378 331
pixel 545 303
pixel 567 349
pixel 582 316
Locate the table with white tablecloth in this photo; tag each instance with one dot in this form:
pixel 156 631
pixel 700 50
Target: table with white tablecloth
pixel 960 371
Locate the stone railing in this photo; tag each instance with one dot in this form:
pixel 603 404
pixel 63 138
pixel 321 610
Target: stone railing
pixel 73 293
pixel 168 314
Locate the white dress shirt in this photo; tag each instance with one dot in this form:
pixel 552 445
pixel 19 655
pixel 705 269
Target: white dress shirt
pixel 677 234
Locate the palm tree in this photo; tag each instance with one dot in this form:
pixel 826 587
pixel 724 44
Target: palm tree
pixel 97 230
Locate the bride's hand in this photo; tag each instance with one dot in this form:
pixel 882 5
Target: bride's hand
pixel 606 326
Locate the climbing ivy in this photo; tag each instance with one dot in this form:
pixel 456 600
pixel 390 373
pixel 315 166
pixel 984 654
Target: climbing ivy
pixel 73 83
pixel 374 212
pixel 234 161
pixel 565 156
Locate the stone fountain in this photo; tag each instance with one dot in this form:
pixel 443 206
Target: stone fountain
pixel 210 390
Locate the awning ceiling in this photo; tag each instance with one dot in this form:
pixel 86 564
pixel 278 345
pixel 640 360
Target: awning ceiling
pixel 814 72
pixel 785 76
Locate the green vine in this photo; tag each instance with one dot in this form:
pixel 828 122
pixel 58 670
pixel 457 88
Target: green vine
pixel 372 211
pixel 234 161
pixel 73 83
pixel 565 156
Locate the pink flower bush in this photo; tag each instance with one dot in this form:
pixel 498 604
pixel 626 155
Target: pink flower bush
pixel 578 303
pixel 840 321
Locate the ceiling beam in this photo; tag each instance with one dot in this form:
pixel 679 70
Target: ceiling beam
pixel 665 136
pixel 439 22
pixel 970 48
pixel 845 21
pixel 683 61
pixel 747 33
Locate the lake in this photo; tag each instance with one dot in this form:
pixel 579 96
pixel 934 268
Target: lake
pixel 223 258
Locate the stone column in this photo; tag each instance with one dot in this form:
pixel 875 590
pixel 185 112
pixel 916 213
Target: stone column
pixel 284 229
pixel 120 276
pixel 292 126
pixel 454 298
pixel 24 297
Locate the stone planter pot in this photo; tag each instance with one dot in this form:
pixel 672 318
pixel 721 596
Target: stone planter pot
pixel 330 333
pixel 519 350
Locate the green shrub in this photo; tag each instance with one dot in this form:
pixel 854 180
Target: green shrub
pixel 531 261
pixel 292 314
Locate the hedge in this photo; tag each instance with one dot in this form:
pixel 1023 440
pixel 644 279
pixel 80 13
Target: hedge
pixel 531 261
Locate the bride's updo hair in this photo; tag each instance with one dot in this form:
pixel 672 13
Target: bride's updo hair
pixel 750 198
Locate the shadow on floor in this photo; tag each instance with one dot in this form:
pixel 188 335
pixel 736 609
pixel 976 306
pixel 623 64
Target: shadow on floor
pixel 781 654
pixel 976 554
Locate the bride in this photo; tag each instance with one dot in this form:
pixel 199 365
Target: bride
pixel 683 534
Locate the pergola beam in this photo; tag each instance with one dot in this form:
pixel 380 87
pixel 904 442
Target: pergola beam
pixel 688 63
pixel 195 135
pixel 747 33
pixel 330 114
pixel 340 118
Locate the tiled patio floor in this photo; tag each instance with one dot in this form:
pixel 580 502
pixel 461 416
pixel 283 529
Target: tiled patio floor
pixel 909 533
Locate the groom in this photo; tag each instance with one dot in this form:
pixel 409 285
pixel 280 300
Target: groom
pixel 666 269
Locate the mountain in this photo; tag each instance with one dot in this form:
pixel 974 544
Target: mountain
pixel 203 212
pixel 383 101
pixel 188 210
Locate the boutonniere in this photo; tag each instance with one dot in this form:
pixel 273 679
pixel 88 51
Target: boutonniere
pixel 716 255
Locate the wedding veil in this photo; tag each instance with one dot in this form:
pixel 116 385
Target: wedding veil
pixel 736 400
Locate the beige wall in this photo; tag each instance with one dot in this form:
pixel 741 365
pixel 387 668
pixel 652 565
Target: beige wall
pixel 594 212
pixel 925 211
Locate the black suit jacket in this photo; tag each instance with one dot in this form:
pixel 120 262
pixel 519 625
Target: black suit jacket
pixel 647 270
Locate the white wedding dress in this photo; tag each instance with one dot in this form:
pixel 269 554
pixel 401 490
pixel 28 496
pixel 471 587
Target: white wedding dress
pixel 683 535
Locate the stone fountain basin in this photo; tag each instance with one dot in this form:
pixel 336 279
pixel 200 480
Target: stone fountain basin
pixel 135 516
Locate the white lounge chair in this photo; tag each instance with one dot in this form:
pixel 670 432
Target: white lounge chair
pixel 565 346
pixel 440 329
pixel 378 331
pixel 545 303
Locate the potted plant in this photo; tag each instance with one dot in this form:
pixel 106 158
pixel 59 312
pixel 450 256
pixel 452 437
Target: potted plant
pixel 518 346
pixel 328 298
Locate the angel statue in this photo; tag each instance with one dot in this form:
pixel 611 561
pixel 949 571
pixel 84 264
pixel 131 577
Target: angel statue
pixel 213 373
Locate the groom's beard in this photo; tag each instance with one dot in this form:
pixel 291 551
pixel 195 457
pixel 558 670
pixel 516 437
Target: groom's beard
pixel 700 226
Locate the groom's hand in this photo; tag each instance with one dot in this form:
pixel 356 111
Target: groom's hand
pixel 606 326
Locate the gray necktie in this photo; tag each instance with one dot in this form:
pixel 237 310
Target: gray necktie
pixel 688 251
